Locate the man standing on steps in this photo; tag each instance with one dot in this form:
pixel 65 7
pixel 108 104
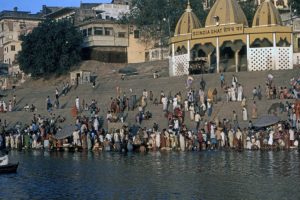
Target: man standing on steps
pixel 77 103
pixel 215 97
pixel 254 93
pixel 14 101
pixel 164 101
pixel 235 120
pixel 234 81
pixel 222 80
pixel 48 104
pixel 197 120
pixel 56 94
pixel 240 92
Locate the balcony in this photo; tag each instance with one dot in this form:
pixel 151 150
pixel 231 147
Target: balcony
pixel 105 41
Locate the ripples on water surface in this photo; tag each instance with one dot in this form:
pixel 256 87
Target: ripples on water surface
pixel 155 175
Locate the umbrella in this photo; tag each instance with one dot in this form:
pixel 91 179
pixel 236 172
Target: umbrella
pixel 266 120
pixel 64 132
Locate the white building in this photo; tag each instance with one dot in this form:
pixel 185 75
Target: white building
pixel 111 11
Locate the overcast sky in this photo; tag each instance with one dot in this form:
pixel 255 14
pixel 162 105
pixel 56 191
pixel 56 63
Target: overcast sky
pixel 36 5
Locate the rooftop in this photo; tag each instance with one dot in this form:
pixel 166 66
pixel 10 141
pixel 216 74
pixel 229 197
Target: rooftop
pixel 8 14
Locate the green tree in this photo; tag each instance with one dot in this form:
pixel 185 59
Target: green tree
pixel 295 6
pixel 158 18
pixel 249 7
pixel 51 48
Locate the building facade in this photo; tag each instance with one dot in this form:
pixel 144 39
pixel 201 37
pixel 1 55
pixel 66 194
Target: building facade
pixel 104 38
pixel 13 24
pixel 111 11
pixel 296 31
pixel 227 43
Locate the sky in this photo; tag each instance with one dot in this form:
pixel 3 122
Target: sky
pixel 35 6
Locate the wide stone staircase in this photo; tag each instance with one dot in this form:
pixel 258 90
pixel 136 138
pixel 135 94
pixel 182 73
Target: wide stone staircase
pixel 36 92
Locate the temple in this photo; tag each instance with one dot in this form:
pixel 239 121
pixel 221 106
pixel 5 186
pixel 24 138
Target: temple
pixel 227 43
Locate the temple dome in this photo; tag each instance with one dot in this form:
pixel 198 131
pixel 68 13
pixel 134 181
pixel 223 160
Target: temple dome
pixel 187 22
pixel 267 15
pixel 226 12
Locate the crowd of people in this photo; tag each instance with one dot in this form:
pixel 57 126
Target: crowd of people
pixel 194 105
pixel 89 135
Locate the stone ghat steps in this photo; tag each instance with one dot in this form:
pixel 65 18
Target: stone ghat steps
pixel 106 88
pixel 220 110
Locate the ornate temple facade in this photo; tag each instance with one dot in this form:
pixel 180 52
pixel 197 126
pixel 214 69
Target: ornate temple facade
pixel 228 43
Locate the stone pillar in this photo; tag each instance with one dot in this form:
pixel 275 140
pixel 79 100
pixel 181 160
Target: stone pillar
pixel 173 50
pixel 248 50
pixel 274 52
pixel 218 55
pixel 209 59
pixel 188 57
pixel 237 60
pixel 188 50
pixel 172 67
pixel 292 51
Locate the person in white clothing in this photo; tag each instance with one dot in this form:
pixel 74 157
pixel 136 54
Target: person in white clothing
pixel 232 93
pixel 292 136
pixel 174 102
pixel 164 101
pixel 77 103
pixel 76 138
pixel 245 114
pixel 240 92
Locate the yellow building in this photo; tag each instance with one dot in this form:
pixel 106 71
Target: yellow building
pixel 228 43
pixel 12 25
pixel 105 39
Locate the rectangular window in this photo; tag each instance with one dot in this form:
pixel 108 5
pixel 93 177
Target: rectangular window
pixel 12 47
pixel 108 31
pixel 90 30
pixel 98 31
pixel 84 32
pixel 136 34
pixel 298 42
pixel 121 34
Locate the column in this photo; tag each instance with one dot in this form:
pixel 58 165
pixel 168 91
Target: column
pixel 248 50
pixel 189 57
pixel 209 59
pixel 172 67
pixel 188 50
pixel 237 60
pixel 274 52
pixel 291 52
pixel 218 55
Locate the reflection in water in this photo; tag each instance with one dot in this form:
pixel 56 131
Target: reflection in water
pixel 154 175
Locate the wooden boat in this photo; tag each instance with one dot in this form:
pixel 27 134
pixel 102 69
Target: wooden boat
pixel 9 168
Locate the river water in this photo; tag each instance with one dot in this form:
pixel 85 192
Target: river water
pixel 155 175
